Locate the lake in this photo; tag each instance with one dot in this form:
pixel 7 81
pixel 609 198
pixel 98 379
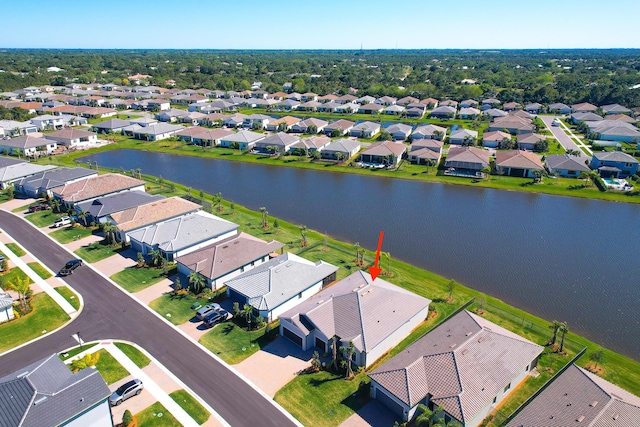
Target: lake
pixel 561 258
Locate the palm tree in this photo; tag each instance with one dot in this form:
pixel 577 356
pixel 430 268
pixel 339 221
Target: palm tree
pixel 564 329
pixel 356 245
pixel 21 286
pixel 348 351
pixel 334 352
pixel 247 310
pixel 555 325
pixel 55 204
pixel 388 255
pixel 303 232
pixel 264 213
pixel 196 282
pixel 109 232
pixel 82 216
pixel 156 257
pixel 427 417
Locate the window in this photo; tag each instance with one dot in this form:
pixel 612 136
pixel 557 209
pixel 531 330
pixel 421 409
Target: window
pixel 507 387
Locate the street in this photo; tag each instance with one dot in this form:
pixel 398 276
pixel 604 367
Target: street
pixel 558 133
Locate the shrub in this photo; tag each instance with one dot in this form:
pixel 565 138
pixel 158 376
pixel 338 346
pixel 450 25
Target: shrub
pixel 127 418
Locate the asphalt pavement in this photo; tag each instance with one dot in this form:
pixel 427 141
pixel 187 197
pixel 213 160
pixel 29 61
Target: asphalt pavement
pixel 110 313
pixel 564 139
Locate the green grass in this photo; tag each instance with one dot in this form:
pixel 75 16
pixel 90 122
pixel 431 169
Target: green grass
pixel 72 233
pixel 156 415
pixel 45 317
pixel 42 218
pixel 109 368
pixel 14 273
pixel 231 342
pixel 69 295
pixel 134 354
pixel 16 249
pixel 24 208
pixel 74 351
pixel 95 253
pixel 178 307
pixel 40 270
pixel 191 406
pixel 135 279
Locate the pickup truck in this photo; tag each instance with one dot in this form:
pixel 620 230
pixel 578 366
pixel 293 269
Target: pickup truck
pixel 62 221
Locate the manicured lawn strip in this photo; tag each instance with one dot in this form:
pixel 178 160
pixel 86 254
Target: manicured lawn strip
pixel 97 252
pixel 46 316
pixel 40 270
pixel 231 342
pixel 24 208
pixel 156 415
pixel 42 218
pixel 70 234
pixel 11 275
pixel 16 249
pixel 69 295
pixel 76 350
pixel 135 279
pixel 179 307
pixel 191 406
pixel 109 367
pixel 134 354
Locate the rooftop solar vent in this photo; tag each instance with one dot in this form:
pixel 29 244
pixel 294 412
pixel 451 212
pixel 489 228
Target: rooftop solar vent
pixel 580 418
pixel 40 400
pixel 615 416
pixel 593 404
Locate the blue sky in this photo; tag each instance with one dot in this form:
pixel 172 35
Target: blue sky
pixel 324 24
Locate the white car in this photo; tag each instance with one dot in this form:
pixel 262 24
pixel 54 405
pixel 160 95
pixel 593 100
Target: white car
pixel 62 221
pixel 556 122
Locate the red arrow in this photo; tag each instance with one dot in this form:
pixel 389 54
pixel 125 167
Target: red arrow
pixel 375 270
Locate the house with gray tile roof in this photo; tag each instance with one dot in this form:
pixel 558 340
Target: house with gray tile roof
pixel 44 182
pixel 245 139
pixel 374 315
pixel 585 117
pixel 228 258
pixel 560 108
pixel 182 235
pixel 469 113
pixel 280 284
pixel 6 307
pixel 14 172
pixel 578 397
pixel 365 130
pixel 370 108
pixel 340 149
pixel 429 132
pixel 444 112
pixel 341 127
pixel 47 393
pixel 29 146
pixel 565 165
pixel 281 142
pixel 113 125
pixel 156 132
pixel 615 130
pixel 614 163
pixel 513 124
pixel 466 161
pixel 97 210
pixel 462 136
pixel 14 128
pixel 615 109
pixel 309 145
pixel 308 126
pixel 467 365
pixel 399 131
pixel 383 153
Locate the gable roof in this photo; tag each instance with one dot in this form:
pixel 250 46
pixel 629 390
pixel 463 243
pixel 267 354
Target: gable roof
pixel 276 281
pixel 140 216
pixel 56 177
pixel 463 364
pixel 518 159
pixel 566 162
pixel 468 155
pixel 246 136
pixel 95 186
pixel 429 130
pixel 103 206
pixel 70 134
pixel 614 156
pixel 342 146
pixel 112 124
pixel 48 393
pixel 386 148
pixel 20 170
pixel 24 142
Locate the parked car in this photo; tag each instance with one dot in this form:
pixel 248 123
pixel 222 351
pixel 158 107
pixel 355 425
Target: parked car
pixel 207 310
pixel 215 318
pixel 39 207
pixel 62 221
pixel 125 391
pixel 556 122
pixel 70 266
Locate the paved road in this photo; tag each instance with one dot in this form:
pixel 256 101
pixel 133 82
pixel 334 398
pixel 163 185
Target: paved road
pixel 562 137
pixel 109 313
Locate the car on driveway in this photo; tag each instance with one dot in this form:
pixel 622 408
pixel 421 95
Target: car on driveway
pixel 125 391
pixel 62 221
pixel 215 318
pixel 39 207
pixel 207 310
pixel 69 267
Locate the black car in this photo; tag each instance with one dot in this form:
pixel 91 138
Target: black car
pixel 70 266
pixel 39 207
pixel 215 318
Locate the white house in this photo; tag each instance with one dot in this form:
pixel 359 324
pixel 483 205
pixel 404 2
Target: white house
pixel 6 307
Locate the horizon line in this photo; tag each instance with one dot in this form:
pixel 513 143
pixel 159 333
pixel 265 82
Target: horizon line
pixel 488 49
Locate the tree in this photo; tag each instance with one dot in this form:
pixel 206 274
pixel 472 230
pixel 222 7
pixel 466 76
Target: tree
pixel 487 171
pixel 348 351
pixel 334 353
pixel 537 175
pixel 315 362
pixel 596 357
pixel 21 286
pixel 303 232
pixel 388 256
pixel 177 286
pixel 236 309
pixel 564 329
pixel 217 202
pixel 55 204
pixel 427 417
pixel 141 261
pixel 276 224
pixel 450 287
pixel 82 216
pixel 555 325
pixel 127 418
pixel 265 223
pixel 233 208
pixel 573 152
pixel 356 246
pixel 247 310
pixel 156 257
pixel 196 282
pixel 109 231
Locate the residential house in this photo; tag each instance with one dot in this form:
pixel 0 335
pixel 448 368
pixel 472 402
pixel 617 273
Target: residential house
pixel 565 165
pixel 429 132
pixel 282 124
pixel 511 106
pixel 585 117
pixel 513 124
pixel 311 125
pixel 234 121
pixel 309 96
pixel 614 109
pixel 214 119
pixel 93 187
pixel 399 131
pixel 155 132
pixel 338 128
pixel 577 396
pixel 144 216
pixel 443 112
pixel 518 163
pixel 370 109
pixel 309 106
pixel 329 107
pixel 47 122
pixel 277 143
pixel 365 130
pixel 13 170
pixel 374 315
pixel 113 125
pixel 364 100
pixel 615 163
pixel 495 139
pixel 462 136
pixel 73 137
pixel 416 110
pixel 243 140
pixel 534 108
pixel 6 307
pixel 467 162
pixel 28 146
pixel 494 113
pixel 386 101
pixel 98 112
pixel 490 103
pixel 346 99
pixel 98 210
pixel 310 145
pixel 469 113
pixel 142 121
pixel 430 102
pixel 280 284
pixel 467 365
pixel 278 96
pixel 43 182
pixel 383 153
pixel 583 107
pixel 182 235
pixel 288 105
pixel 158 105
pixel 425 152
pixel 47 393
pixel 559 108
pixel 341 149
pixel 468 103
pixel 256 121
pixel 330 97
pixel 228 258
pixel 449 103
pixel 15 128
pixel 349 108
pixel 615 130
pixel 395 110
pixel 529 141
pixel 204 137
pixel 621 117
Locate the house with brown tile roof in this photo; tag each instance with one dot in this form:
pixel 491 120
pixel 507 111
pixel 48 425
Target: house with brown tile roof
pixel 93 187
pixel 73 137
pixel 467 365
pixel 204 137
pixel 467 162
pixel 374 315
pixel 143 216
pixel 228 258
pixel 341 127
pixel 383 153
pixel 518 163
pixel 283 123
pixel 583 107
pixel 513 124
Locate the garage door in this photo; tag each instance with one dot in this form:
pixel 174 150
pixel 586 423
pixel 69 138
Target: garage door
pixel 321 344
pixel 237 297
pixel 382 397
pixel 293 337
pixel 517 172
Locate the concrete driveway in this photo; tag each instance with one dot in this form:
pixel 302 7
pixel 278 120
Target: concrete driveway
pixel 134 404
pixel 373 414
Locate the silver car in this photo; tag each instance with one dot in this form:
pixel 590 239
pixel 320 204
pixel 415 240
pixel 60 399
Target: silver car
pixel 207 311
pixel 125 391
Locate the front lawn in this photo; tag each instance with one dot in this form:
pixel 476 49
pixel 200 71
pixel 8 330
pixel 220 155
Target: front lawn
pixel 42 218
pixel 109 368
pixel 40 270
pixel 14 273
pixel 233 343
pixel 134 354
pixel 156 415
pixel 17 250
pixel 24 208
pixel 69 295
pixel 191 406
pixel 94 253
pixel 45 317
pixel 135 279
pixel 178 307
pixel 71 233
pixel 74 351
